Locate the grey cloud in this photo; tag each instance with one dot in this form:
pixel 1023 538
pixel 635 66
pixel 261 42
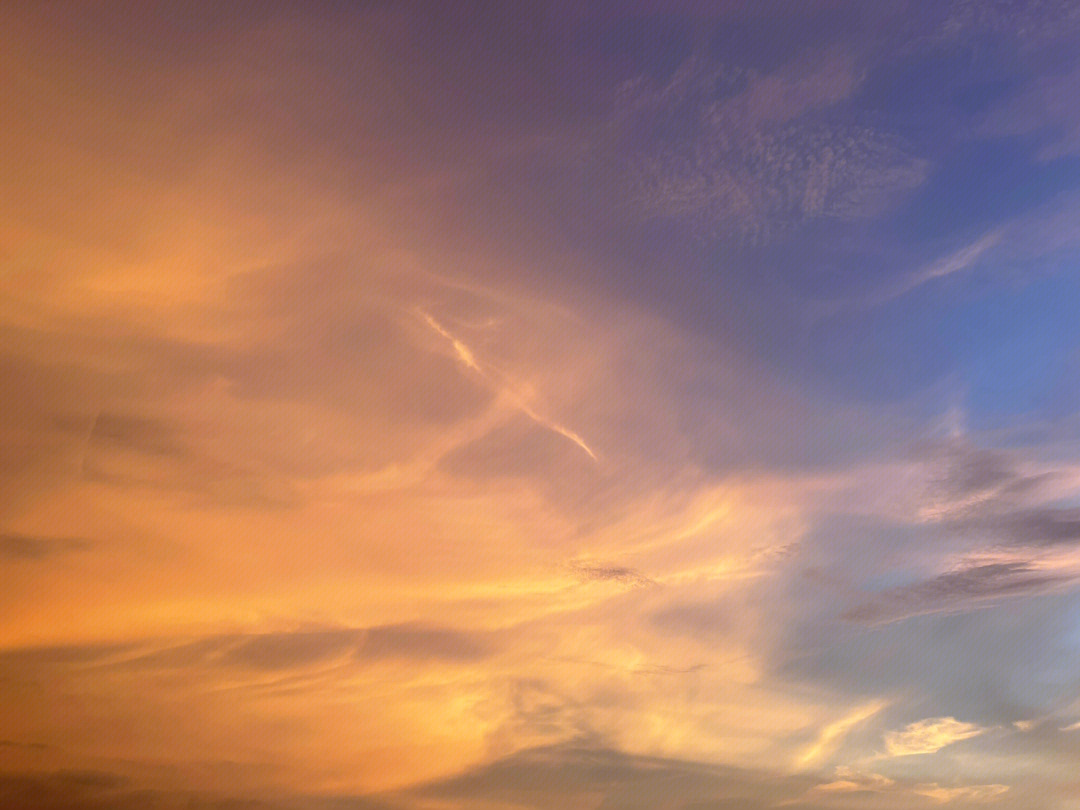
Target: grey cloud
pixel 99 790
pixel 61 790
pixel 541 708
pixel 540 778
pixel 986 491
pixel 1044 526
pixel 26 547
pixel 965 589
pixel 63 655
pixel 82 422
pixel 611 573
pixel 146 435
pixel 27 746
pixel 958 641
pixel 519 448
pixel 969 470
pixel 288 650
pixel 583 772
pixel 546 777
pixel 421 642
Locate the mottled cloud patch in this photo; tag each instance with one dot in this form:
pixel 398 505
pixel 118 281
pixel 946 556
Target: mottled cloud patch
pixel 733 151
pixel 576 774
pixel 1033 25
pixel 928 736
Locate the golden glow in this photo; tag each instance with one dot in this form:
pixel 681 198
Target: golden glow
pixel 330 468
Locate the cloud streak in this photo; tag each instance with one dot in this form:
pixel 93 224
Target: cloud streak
pixel 966 589
pixel 506 387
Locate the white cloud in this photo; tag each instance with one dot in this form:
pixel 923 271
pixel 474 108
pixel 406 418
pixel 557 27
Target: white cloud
pixel 930 735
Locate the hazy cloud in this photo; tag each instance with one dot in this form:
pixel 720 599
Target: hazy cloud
pixel 269 651
pixel 25 547
pixel 98 790
pixel 435 393
pixel 552 776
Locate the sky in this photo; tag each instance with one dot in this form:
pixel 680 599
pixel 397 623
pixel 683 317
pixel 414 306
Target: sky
pixel 511 406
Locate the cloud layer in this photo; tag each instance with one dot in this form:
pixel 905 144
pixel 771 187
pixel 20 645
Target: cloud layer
pixel 628 405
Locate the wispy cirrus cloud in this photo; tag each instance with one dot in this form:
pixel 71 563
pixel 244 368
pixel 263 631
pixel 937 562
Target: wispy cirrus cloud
pixel 960 261
pixel 833 734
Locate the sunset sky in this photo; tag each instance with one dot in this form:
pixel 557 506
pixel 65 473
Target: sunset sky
pixel 648 405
